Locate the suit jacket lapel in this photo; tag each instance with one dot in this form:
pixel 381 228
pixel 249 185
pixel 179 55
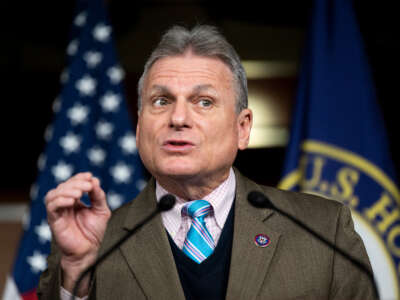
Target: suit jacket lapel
pixel 249 262
pixel 148 252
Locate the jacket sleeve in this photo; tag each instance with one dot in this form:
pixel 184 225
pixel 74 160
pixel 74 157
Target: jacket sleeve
pixel 348 281
pixel 50 280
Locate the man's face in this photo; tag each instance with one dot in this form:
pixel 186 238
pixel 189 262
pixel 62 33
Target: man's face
pixel 188 127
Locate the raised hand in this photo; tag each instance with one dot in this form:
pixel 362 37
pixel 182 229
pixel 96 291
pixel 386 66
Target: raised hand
pixel 77 229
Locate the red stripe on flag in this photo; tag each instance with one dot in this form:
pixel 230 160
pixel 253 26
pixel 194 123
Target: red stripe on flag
pixel 31 295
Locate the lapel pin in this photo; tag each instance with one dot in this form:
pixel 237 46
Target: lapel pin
pixel 262 240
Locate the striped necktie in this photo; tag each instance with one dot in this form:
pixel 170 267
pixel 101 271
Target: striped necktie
pixel 199 243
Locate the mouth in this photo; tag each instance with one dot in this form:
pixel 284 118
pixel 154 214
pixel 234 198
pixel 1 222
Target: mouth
pixel 177 146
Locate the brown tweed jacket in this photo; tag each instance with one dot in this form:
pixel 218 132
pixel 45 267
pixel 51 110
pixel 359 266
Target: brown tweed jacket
pixel 293 266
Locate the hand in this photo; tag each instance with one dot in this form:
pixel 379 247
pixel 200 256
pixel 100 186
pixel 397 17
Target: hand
pixel 77 229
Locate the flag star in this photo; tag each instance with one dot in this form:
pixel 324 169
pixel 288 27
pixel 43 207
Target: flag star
pixel 121 172
pixel 72 47
pixel 43 231
pixel 41 163
pixel 114 200
pixel 96 155
pixel 70 142
pixel 101 32
pixel 78 114
pixel 92 58
pixel 116 74
pixel 110 102
pixel 128 143
pixel 104 130
pixel 62 171
pixel 48 133
pixel 80 19
pixel 86 85
pixel 140 184
pixel 37 262
pixel 57 105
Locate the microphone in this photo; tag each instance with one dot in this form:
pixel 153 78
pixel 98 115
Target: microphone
pixel 259 200
pixel 166 203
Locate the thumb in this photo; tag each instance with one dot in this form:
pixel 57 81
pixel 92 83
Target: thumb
pixel 97 195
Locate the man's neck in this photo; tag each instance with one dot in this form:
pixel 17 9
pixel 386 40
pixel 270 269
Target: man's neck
pixel 192 188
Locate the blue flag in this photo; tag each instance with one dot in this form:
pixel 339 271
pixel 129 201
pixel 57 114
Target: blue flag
pixel 338 146
pixel 91 131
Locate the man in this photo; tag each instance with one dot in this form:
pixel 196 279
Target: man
pixel 193 117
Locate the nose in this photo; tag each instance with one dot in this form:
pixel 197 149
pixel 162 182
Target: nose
pixel 180 115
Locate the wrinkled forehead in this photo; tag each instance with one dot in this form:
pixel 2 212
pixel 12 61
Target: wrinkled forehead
pixel 189 70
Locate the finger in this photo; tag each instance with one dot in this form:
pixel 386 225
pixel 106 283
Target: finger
pixel 60 202
pixel 71 193
pixel 74 189
pixel 97 196
pixel 85 176
pixel 55 207
pixel 49 196
pixel 84 183
pixel 83 186
pixel 82 175
pixel 96 181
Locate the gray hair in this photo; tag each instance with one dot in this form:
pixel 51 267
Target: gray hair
pixel 202 40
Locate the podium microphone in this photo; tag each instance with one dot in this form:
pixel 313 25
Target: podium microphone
pixel 259 200
pixel 166 203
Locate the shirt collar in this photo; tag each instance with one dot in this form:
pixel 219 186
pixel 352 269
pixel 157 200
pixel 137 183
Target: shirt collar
pixel 221 200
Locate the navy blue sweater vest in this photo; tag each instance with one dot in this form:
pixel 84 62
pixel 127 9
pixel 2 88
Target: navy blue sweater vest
pixel 208 280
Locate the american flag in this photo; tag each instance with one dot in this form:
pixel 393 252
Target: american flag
pixel 91 131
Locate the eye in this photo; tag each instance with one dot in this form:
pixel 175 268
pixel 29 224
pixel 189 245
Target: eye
pixel 205 102
pixel 160 101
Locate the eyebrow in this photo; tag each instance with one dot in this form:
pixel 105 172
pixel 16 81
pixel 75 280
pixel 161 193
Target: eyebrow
pixel 161 89
pixel 202 87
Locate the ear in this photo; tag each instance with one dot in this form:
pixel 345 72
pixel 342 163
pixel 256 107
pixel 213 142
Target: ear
pixel 137 132
pixel 245 122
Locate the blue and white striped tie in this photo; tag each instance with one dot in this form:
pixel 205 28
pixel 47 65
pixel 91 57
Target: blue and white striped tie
pixel 199 243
